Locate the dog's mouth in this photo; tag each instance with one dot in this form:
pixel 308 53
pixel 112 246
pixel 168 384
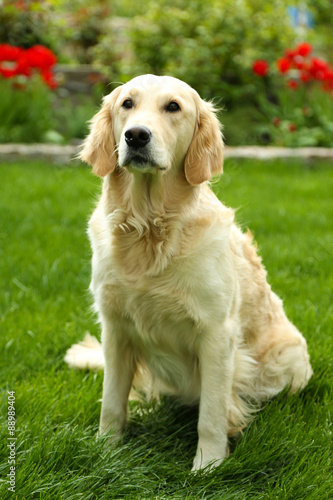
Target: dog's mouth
pixel 141 162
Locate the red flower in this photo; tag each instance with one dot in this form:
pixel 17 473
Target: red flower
pixel 260 67
pixel 293 84
pixel 299 62
pixel 292 127
pixel 283 64
pixel 304 49
pixel 49 79
pixel 329 74
pixel 9 53
pixel 290 54
pixel 23 65
pixel 305 76
pixel 40 57
pixel 276 121
pixel 328 79
pixel 7 72
pixel 318 68
pixel 8 60
pixel 21 5
pixel 16 61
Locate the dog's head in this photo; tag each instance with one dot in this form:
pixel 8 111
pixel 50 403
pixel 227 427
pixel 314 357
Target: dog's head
pixel 155 124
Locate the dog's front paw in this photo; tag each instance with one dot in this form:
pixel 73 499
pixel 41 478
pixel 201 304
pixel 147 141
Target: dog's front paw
pixel 111 436
pixel 111 430
pixel 208 459
pixel 208 465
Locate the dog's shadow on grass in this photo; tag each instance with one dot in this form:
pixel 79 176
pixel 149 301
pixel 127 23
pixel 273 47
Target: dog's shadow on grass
pixel 163 425
pixel 167 430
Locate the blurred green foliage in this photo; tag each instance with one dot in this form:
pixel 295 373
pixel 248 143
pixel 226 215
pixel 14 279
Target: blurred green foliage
pixel 321 35
pixel 207 43
pixel 169 35
pixel 300 118
pixel 81 26
pixel 211 45
pixel 69 27
pixel 31 112
pixel 25 111
pixel 25 23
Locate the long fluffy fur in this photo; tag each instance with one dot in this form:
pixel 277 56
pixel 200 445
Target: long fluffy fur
pixel 180 291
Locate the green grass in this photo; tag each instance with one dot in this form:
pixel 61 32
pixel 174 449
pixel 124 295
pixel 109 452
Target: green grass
pixel 286 453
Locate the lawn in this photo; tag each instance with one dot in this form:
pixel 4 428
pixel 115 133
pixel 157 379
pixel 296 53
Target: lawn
pixel 286 453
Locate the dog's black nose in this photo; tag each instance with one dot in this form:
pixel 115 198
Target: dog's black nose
pixel 137 137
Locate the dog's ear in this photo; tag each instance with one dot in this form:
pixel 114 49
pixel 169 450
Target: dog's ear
pixel 204 158
pixel 99 149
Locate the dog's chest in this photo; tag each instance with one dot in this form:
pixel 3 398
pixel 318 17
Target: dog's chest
pixel 171 308
pixel 159 306
pixel 166 314
pixel 164 321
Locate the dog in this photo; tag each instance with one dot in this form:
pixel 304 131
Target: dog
pixel 179 289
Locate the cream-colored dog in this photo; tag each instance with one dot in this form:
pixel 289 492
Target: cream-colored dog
pixel 179 289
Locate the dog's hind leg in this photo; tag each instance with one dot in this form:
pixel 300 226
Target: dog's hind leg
pixel 283 361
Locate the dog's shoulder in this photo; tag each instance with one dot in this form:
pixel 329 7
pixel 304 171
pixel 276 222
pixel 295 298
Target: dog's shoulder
pixel 209 223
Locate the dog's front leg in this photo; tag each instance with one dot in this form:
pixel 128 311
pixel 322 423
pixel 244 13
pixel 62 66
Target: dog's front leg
pixel 118 377
pixel 216 371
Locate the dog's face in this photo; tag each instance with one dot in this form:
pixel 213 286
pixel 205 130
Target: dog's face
pixel 154 125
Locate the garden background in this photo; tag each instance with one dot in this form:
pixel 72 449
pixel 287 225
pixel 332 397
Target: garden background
pixel 269 68
pixel 267 65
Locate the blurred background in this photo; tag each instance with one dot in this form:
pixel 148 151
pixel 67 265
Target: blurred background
pixel 267 65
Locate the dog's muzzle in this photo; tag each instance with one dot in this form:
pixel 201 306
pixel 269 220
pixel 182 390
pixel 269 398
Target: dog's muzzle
pixel 139 150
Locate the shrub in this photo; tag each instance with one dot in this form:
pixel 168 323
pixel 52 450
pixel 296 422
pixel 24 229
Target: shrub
pixel 71 114
pixel 26 78
pixel 25 111
pixel 209 44
pixel 297 98
pixel 80 29
pixel 26 23
pixel 321 36
pixel 70 27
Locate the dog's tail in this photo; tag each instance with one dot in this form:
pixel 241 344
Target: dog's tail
pixel 87 354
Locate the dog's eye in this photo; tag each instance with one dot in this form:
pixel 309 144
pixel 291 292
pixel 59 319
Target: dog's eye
pixel 172 107
pixel 128 104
